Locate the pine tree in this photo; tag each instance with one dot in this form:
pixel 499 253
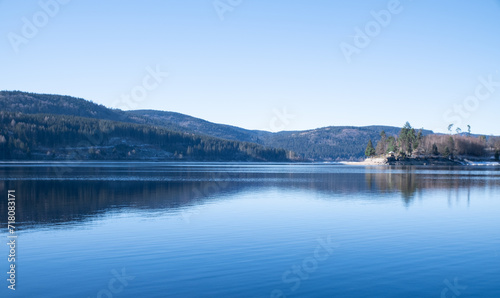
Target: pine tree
pixel 370 151
pixel 408 140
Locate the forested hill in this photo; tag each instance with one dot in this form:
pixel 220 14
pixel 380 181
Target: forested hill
pixel 34 103
pixel 329 143
pixel 62 137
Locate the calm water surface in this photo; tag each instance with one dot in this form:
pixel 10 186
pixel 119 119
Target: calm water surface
pixel 252 230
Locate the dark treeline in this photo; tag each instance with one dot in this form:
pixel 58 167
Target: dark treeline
pixel 44 136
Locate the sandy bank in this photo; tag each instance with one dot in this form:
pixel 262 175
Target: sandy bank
pixel 379 161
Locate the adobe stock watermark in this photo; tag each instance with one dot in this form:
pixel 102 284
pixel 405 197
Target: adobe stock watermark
pixel 152 80
pixel 217 183
pixel 222 7
pixel 452 290
pixel 280 120
pixel 32 26
pixel 484 90
pixel 116 284
pixel 367 33
pixel 309 265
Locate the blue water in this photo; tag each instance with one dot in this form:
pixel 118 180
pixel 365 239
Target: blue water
pixel 252 230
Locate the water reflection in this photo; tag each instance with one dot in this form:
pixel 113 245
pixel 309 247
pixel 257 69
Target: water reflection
pixel 46 197
pixel 409 181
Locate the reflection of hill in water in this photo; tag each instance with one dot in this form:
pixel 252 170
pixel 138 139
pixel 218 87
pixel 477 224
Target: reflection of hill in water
pixel 97 191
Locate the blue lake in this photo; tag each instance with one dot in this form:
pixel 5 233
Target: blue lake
pixel 251 230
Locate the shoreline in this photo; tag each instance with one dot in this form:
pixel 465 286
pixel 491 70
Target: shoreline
pixel 422 161
pixel 377 161
pixel 367 162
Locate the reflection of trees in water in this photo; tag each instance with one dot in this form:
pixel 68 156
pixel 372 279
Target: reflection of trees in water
pixel 60 201
pixel 63 201
pixel 407 181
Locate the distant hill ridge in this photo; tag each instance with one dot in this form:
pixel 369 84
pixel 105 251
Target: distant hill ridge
pixel 322 144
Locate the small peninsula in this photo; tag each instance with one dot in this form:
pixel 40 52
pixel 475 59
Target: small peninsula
pixel 413 148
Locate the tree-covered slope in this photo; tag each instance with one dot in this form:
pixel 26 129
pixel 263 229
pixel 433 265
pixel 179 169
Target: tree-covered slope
pixel 48 136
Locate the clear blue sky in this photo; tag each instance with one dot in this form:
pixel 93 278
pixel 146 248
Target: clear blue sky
pixel 265 56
